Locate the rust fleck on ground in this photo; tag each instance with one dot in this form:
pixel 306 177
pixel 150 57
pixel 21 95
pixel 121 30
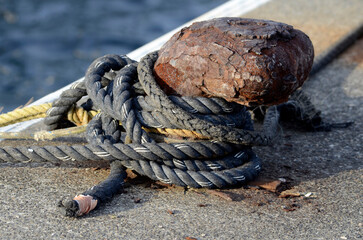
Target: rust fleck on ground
pixel 270 185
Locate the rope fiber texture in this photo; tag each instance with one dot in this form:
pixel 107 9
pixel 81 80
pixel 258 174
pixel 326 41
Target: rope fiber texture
pixel 24 114
pixel 77 115
pixel 131 105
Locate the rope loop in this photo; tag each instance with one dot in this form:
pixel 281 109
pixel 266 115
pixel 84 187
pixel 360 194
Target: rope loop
pixel 137 122
pixel 135 127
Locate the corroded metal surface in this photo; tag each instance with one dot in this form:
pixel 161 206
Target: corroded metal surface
pixel 244 60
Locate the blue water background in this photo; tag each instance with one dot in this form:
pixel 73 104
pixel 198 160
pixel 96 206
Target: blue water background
pixel 46 44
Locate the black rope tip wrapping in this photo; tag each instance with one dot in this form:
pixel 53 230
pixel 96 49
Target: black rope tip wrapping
pixel 68 208
pixel 99 194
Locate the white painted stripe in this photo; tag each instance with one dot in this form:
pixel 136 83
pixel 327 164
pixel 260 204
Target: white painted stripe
pixel 143 140
pixel 228 109
pixel 102 154
pixel 232 8
pixel 205 184
pixel 98 63
pixel 179 163
pixel 75 85
pixel 240 178
pixel 124 111
pixel 158 126
pixel 180 145
pixel 214 166
pixel 239 154
pixel 163 180
pixel 66 158
pixel 141 150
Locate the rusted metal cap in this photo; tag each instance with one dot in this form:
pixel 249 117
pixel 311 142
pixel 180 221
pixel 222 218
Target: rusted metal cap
pixel 250 61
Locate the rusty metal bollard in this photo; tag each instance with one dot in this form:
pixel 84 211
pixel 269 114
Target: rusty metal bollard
pixel 249 61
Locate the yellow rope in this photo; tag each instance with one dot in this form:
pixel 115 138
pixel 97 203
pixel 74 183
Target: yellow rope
pixel 24 114
pixel 78 116
pixel 177 132
pixel 49 135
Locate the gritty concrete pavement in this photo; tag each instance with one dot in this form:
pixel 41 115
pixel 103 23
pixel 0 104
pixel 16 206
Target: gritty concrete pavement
pixel 326 164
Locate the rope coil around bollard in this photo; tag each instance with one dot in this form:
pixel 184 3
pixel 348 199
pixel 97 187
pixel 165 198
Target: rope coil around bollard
pixel 126 92
pixel 224 158
pixel 130 104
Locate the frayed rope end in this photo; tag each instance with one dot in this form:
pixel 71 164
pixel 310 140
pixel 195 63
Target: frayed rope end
pixel 80 205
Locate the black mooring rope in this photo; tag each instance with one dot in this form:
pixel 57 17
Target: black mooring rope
pixel 125 91
pixel 224 159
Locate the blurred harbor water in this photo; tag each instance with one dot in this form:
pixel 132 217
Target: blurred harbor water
pixel 46 44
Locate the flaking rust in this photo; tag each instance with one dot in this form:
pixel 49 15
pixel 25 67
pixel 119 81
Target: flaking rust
pixel 249 61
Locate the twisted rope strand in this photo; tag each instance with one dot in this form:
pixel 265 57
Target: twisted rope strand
pixel 184 119
pixel 24 114
pixel 223 158
pixel 113 87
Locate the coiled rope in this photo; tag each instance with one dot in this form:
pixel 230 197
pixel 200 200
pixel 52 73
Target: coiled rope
pixel 219 135
pixel 224 159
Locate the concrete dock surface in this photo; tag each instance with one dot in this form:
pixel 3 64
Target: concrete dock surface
pixel 324 167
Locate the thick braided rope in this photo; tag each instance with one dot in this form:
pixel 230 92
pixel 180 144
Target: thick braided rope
pixel 118 96
pixel 238 117
pixel 185 120
pixel 102 192
pixel 217 162
pixel 197 164
pixel 69 97
pixel 147 114
pixel 80 117
pixel 210 163
pixel 195 173
pixel 199 105
pixel 157 119
pixel 61 106
pixel 118 103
